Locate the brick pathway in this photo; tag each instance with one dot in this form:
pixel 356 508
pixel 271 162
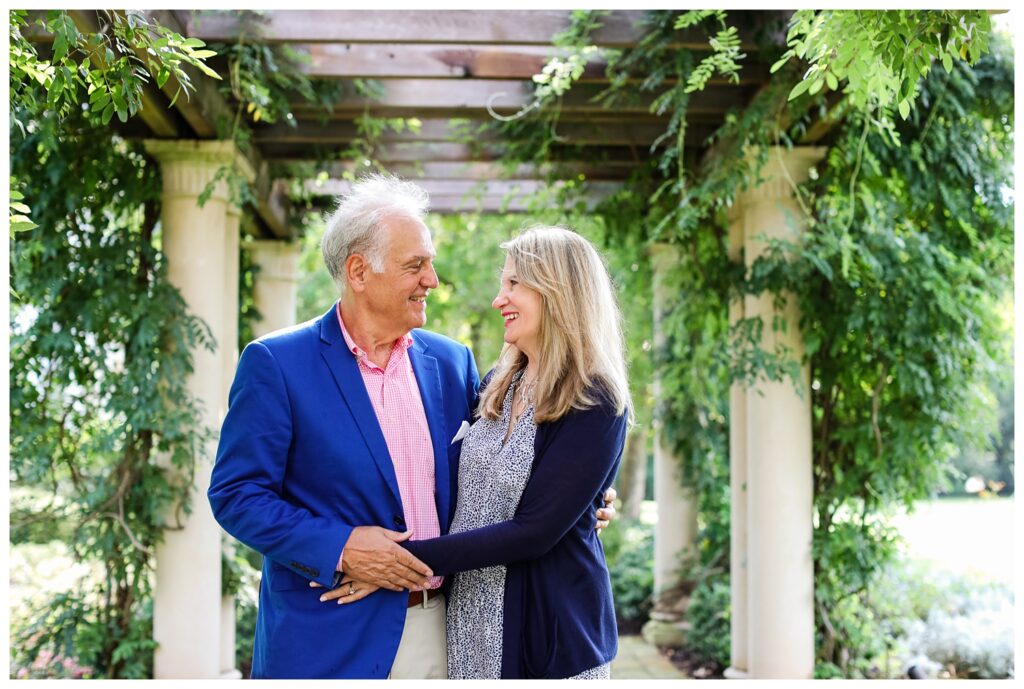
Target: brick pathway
pixel 639 660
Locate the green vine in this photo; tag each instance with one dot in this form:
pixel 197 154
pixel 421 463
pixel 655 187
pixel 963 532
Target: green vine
pixel 900 277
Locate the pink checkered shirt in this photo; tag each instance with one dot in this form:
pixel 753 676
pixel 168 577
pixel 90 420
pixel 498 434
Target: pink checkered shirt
pixel 396 400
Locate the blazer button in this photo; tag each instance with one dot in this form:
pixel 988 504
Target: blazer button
pixel 399 522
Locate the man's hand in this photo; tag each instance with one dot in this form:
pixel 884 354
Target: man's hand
pixel 372 555
pixel 606 514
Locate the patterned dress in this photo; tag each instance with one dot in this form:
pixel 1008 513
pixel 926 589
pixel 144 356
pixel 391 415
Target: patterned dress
pixel 492 477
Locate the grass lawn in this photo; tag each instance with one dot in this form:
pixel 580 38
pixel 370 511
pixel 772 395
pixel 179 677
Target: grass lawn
pixel 970 536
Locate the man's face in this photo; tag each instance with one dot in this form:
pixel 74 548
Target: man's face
pixel 397 297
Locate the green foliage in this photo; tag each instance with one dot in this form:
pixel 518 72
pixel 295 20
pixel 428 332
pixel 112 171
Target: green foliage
pixel 67 638
pixel 725 47
pixel 19 212
pixel 900 277
pixel 709 615
pixel 264 79
pixel 881 54
pixel 100 341
pixel 629 552
pixel 99 353
pixel 109 66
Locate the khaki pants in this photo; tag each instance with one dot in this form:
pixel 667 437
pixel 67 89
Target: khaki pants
pixel 423 651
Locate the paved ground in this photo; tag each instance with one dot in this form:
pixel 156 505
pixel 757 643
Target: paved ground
pixel 639 660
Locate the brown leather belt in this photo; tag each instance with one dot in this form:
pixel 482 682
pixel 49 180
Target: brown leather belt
pixel 416 597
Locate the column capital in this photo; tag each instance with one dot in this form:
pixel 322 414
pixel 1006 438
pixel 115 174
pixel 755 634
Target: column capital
pixel 783 169
pixel 189 165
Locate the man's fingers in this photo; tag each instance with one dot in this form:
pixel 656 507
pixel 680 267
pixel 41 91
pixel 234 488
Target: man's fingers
pixel 409 580
pixel 610 495
pixel 602 523
pixel 412 562
pixel 398 536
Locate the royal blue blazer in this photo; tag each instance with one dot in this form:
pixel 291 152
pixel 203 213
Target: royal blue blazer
pixel 301 462
pixel 559 616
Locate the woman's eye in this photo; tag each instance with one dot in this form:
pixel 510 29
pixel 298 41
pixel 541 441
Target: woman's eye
pixel 513 283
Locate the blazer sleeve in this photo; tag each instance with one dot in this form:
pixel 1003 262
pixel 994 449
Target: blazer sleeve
pixel 246 487
pixel 572 469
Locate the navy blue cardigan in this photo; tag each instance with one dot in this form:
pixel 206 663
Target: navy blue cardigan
pixel 559 619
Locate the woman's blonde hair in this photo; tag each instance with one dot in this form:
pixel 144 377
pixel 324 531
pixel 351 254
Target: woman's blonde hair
pixel 581 353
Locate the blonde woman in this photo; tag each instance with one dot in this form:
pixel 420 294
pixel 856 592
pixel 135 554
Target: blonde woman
pixel 530 595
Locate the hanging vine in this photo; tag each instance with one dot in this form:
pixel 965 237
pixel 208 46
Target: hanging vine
pixel 900 276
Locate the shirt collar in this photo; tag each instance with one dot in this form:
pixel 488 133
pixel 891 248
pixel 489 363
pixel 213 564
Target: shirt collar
pixel 405 341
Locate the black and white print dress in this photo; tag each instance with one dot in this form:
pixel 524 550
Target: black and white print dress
pixel 492 477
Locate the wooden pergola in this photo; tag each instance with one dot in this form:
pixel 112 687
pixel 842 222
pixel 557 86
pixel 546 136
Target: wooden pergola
pixel 447 69
pixel 440 66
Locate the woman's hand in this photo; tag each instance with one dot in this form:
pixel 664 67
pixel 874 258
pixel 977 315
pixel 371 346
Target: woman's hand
pixel 606 514
pixel 348 591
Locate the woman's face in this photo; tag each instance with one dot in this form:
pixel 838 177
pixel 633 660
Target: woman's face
pixel 521 309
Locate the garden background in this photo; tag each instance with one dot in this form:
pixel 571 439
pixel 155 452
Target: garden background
pixel 898 284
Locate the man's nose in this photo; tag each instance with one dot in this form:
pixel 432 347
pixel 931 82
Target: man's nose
pixel 431 279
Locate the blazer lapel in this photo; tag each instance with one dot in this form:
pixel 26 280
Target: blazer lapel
pixel 345 370
pixel 428 377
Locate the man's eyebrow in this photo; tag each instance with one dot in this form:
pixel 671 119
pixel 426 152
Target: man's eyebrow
pixel 418 259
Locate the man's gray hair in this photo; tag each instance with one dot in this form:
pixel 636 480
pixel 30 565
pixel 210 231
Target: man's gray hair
pixel 354 227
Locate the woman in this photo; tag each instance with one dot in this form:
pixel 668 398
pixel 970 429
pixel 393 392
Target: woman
pixel 532 596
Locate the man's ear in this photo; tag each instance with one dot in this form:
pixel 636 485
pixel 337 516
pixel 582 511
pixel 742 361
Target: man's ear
pixel 356 272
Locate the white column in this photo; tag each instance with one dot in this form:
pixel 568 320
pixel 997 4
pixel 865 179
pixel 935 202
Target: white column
pixel 275 291
pixel 780 571
pixel 737 486
pixel 230 352
pixel 676 531
pixel 187 601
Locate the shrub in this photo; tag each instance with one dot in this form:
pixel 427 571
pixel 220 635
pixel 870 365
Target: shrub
pixel 629 551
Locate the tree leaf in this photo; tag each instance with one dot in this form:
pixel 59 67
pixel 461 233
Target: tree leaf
pixel 799 89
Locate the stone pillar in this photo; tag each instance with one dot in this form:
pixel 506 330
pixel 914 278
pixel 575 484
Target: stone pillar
pixel 737 486
pixel 187 602
pixel 676 532
pixel 771 453
pixel 230 352
pixel 276 289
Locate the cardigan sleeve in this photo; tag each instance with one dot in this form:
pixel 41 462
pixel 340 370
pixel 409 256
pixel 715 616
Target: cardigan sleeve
pixel 576 461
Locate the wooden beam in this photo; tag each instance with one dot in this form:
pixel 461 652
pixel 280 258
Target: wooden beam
pixel 836 110
pixel 441 61
pixel 536 27
pixel 479 27
pixel 448 205
pixel 458 61
pixel 447 198
pixel 427 97
pixel 439 130
pixel 389 154
pixel 469 171
pixel 469 188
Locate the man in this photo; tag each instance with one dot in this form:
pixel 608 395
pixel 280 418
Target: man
pixel 338 431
